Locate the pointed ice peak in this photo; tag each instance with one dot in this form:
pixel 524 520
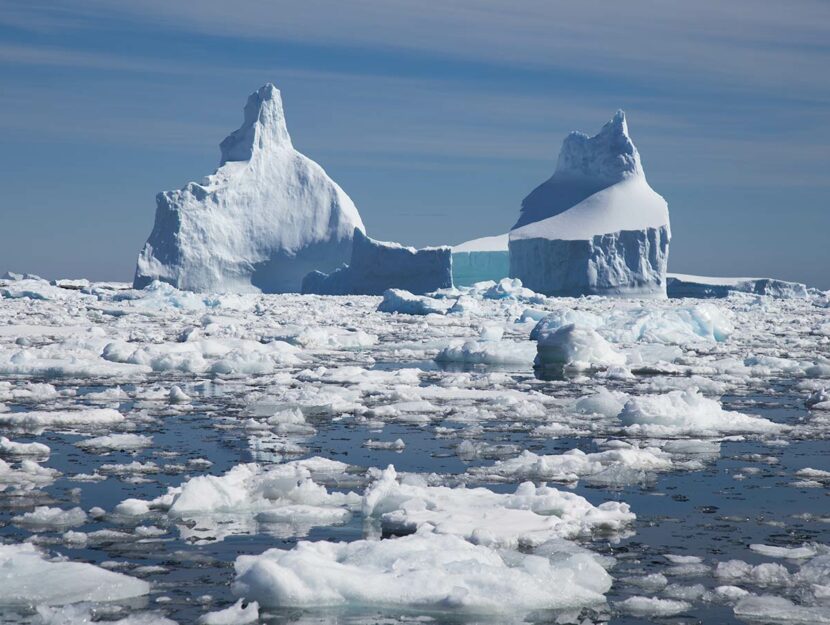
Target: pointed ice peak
pixel 262 130
pixel 607 157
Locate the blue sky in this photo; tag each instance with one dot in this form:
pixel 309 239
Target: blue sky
pixel 436 117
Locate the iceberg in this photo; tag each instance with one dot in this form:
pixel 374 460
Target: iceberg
pixel 480 260
pixel 260 223
pixel 684 285
pixel 376 266
pixel 595 227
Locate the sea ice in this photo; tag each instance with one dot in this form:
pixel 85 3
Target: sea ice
pixel 575 347
pixel 424 570
pixel 690 413
pixel 28 578
pixel 526 518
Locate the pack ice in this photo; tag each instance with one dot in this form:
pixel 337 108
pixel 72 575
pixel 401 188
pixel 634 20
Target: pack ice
pixel 376 266
pixel 262 221
pixel 595 227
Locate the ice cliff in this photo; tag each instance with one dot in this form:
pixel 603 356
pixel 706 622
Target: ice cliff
pixel 376 266
pixel 595 227
pixel 267 217
pixel 479 260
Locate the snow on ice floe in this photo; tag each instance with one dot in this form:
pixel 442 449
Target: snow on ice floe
pixel 527 518
pixel 284 499
pixel 596 226
pixel 201 239
pixel 237 614
pixel 626 464
pixel 28 577
pixel 437 572
pixel 688 412
pixel 39 420
pixel 576 347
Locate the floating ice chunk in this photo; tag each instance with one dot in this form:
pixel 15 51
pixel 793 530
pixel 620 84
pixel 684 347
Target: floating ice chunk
pixel 623 464
pixel 39 420
pixel 334 338
pixel 28 578
pixel 36 289
pixel 398 301
pixel 603 402
pixel 511 289
pixel 529 517
pixel 132 507
pixel 819 400
pixel 791 553
pixel 728 593
pixel 563 317
pixel 46 518
pixel 486 352
pixel 82 614
pixel 237 614
pixel 178 396
pixel 465 305
pixel 116 442
pixel 424 570
pixel 29 475
pixel 652 606
pixel 12 448
pixel 396 445
pixel 223 356
pixel 775 610
pixel 671 326
pixel 676 558
pixel 688 412
pixel 653 582
pixel 284 495
pixel 766 574
pixel 575 347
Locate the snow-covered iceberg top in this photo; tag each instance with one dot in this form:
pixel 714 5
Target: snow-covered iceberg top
pixel 262 221
pixel 496 243
pixel 599 187
pixel 595 227
pixel 627 205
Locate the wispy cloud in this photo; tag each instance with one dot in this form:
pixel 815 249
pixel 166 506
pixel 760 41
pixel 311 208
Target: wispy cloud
pixel 741 44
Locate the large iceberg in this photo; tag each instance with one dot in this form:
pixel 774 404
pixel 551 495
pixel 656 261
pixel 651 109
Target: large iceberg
pixel 479 260
pixel 684 285
pixel 595 227
pixel 378 265
pixel 262 221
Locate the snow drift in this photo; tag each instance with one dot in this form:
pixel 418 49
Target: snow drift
pixel 378 265
pixel 261 222
pixel 595 227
